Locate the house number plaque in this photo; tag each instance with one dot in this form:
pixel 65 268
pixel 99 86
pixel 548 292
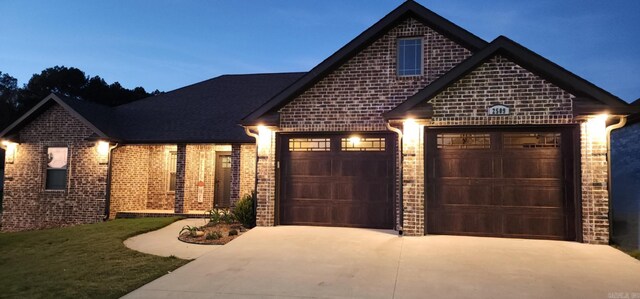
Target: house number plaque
pixel 497 110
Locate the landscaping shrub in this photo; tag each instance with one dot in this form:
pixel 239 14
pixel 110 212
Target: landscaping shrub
pixel 191 229
pixel 243 211
pixel 213 235
pixel 217 216
pixel 233 232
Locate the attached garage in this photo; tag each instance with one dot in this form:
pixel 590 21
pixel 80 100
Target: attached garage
pixel 501 182
pixel 337 180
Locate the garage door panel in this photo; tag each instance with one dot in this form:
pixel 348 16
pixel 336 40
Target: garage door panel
pixel 474 192
pixel 532 196
pixel 359 215
pixel 303 189
pixel 378 191
pixel 464 221
pixel 532 168
pixel 527 225
pixel 309 167
pixel 306 214
pixel 361 167
pixel 463 168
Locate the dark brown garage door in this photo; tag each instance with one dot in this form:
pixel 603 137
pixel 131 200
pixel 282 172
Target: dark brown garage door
pixel 500 183
pixel 337 180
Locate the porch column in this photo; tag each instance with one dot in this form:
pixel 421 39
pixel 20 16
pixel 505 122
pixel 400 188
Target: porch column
pixel 181 159
pixel 235 173
pixel 413 178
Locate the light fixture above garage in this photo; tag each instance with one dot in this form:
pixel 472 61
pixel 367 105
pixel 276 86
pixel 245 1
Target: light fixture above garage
pixel 354 140
pixel 10 151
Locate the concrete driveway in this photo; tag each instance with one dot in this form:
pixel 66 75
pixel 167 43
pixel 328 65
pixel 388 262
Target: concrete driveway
pixel 321 262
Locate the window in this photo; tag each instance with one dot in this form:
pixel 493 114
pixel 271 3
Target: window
pixel 309 144
pixel 57 158
pixel 464 141
pixel 531 140
pixel 171 170
pixel 410 57
pixel 357 144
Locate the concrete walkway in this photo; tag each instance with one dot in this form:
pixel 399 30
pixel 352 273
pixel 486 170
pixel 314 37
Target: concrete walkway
pixel 164 242
pixel 321 262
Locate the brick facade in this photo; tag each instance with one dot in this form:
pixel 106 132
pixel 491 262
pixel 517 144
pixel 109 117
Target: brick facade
pixel 26 203
pixel 247 169
pixel 595 195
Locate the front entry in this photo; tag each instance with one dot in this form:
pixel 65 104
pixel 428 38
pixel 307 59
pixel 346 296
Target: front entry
pixel 222 186
pixel 500 183
pixel 337 180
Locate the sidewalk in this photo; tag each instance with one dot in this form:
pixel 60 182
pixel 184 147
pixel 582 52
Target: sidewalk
pixel 164 242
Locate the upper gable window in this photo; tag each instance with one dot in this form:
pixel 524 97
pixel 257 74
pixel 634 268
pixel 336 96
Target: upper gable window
pixel 409 57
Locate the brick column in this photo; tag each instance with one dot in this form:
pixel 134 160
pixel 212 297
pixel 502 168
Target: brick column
pixel 413 182
pixel 181 160
pixel 595 197
pixel 266 181
pixel 235 173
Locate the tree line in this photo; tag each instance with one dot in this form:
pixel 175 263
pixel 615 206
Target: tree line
pixel 68 81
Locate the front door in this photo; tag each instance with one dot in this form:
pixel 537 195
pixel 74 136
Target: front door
pixel 222 187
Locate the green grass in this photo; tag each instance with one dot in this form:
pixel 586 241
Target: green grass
pixel 635 253
pixel 85 261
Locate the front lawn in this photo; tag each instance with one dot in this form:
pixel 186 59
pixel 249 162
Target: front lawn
pixel 86 261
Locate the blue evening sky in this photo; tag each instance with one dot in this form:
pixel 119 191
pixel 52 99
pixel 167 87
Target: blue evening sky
pixel 166 44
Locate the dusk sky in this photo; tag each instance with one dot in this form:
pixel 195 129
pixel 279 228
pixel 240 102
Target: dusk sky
pixel 167 44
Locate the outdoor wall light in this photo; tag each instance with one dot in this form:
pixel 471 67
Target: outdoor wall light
pixel 597 128
pixel 411 130
pixel 264 140
pixel 103 148
pixel 10 151
pixel 354 140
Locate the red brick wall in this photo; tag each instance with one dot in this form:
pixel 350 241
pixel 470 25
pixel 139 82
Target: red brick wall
pixel 129 178
pixel 247 169
pixel 26 204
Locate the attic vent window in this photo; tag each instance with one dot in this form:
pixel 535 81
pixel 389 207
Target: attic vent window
pixel 410 57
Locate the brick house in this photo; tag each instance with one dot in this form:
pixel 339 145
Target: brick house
pixel 415 125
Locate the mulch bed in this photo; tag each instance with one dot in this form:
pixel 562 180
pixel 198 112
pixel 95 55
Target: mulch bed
pixel 221 228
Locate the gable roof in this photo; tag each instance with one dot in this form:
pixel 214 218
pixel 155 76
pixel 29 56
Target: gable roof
pixel 401 13
pixel 203 112
pixel 93 115
pixel 589 98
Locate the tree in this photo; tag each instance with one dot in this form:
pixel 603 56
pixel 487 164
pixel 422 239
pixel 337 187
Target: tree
pixel 9 93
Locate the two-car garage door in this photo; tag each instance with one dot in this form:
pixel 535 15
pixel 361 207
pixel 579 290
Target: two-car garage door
pixel 500 183
pixel 337 180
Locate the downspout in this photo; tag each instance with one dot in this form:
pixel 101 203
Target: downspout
pixel 107 200
pixel 255 181
pixel 620 124
pixel 400 189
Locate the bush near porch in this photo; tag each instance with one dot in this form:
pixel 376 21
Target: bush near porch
pixel 85 261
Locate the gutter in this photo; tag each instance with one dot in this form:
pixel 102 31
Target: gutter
pixel 255 182
pixel 107 201
pixel 400 189
pixel 621 123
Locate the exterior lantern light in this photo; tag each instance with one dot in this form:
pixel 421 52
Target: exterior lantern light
pixel 411 130
pixel 103 148
pixel 597 128
pixel 10 151
pixel 354 140
pixel 264 140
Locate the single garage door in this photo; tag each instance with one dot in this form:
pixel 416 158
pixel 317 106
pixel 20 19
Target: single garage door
pixel 337 180
pixel 507 183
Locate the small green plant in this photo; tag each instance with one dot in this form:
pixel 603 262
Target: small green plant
pixel 636 254
pixel 213 235
pixel 193 230
pixel 217 216
pixel 233 232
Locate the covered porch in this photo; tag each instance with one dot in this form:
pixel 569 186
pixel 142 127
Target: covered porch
pixel 187 180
